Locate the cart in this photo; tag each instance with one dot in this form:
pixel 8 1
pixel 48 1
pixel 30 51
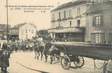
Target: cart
pixel 75 51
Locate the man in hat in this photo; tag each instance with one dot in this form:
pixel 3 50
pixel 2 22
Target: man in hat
pixel 4 58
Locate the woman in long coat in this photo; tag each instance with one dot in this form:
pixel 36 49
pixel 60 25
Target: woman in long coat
pixel 4 58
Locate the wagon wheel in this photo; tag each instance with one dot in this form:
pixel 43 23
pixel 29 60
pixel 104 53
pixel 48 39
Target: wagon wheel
pixel 65 62
pixel 79 62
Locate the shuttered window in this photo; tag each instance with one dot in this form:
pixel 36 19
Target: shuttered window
pixel 78 11
pixel 64 14
pixel 59 15
pixel 110 38
pixel 70 13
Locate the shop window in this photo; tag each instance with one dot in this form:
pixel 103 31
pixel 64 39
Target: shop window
pixel 98 38
pixel 98 21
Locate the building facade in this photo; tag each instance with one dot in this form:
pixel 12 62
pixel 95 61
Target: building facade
pixel 83 20
pixel 14 33
pixel 3 31
pixel 99 23
pixel 27 31
pixel 69 21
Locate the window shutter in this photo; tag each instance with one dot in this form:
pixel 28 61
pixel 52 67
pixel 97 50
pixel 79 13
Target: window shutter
pixel 94 21
pixel 102 21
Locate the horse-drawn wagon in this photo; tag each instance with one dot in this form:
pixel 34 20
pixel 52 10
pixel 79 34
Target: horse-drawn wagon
pixel 75 51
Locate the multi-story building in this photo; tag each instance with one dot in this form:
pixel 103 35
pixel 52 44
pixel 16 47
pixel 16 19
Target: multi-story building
pixel 69 21
pixel 83 20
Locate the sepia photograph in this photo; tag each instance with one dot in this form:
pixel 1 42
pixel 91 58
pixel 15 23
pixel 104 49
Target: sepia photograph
pixel 55 36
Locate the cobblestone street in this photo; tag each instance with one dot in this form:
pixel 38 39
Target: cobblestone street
pixel 24 62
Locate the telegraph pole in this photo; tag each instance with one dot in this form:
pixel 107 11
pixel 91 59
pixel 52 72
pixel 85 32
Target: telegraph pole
pixel 7 21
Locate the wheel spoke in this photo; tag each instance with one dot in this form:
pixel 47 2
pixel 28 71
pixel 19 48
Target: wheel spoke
pixel 79 62
pixel 65 63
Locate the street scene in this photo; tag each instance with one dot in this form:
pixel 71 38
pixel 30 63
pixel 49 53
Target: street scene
pixel 31 65
pixel 47 36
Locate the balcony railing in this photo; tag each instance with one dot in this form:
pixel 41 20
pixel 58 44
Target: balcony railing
pixel 70 17
pixel 59 19
pixel 53 20
pixel 64 18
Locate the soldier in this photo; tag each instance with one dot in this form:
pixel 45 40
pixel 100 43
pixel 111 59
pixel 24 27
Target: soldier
pixel 4 58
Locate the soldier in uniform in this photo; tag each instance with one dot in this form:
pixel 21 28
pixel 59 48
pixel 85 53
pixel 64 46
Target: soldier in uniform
pixel 4 58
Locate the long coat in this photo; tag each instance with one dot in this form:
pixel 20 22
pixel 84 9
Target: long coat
pixel 4 58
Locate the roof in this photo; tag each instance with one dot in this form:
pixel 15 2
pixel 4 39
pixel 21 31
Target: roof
pixel 22 24
pixel 69 4
pixel 98 8
pixel 19 25
pixel 3 27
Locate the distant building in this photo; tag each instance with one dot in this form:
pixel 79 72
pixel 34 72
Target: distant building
pixel 23 31
pixel 3 31
pixel 27 31
pixel 14 33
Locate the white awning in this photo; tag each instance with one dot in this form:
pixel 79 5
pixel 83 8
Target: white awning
pixel 65 30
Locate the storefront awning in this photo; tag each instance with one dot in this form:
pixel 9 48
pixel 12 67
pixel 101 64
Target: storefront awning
pixel 66 30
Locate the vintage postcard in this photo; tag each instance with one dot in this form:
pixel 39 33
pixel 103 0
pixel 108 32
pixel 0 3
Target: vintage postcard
pixel 55 36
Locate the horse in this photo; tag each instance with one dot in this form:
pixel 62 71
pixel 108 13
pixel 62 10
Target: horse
pixel 52 51
pixel 38 49
pixel 46 51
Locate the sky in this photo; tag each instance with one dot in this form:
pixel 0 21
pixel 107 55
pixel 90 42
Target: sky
pixel 20 15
